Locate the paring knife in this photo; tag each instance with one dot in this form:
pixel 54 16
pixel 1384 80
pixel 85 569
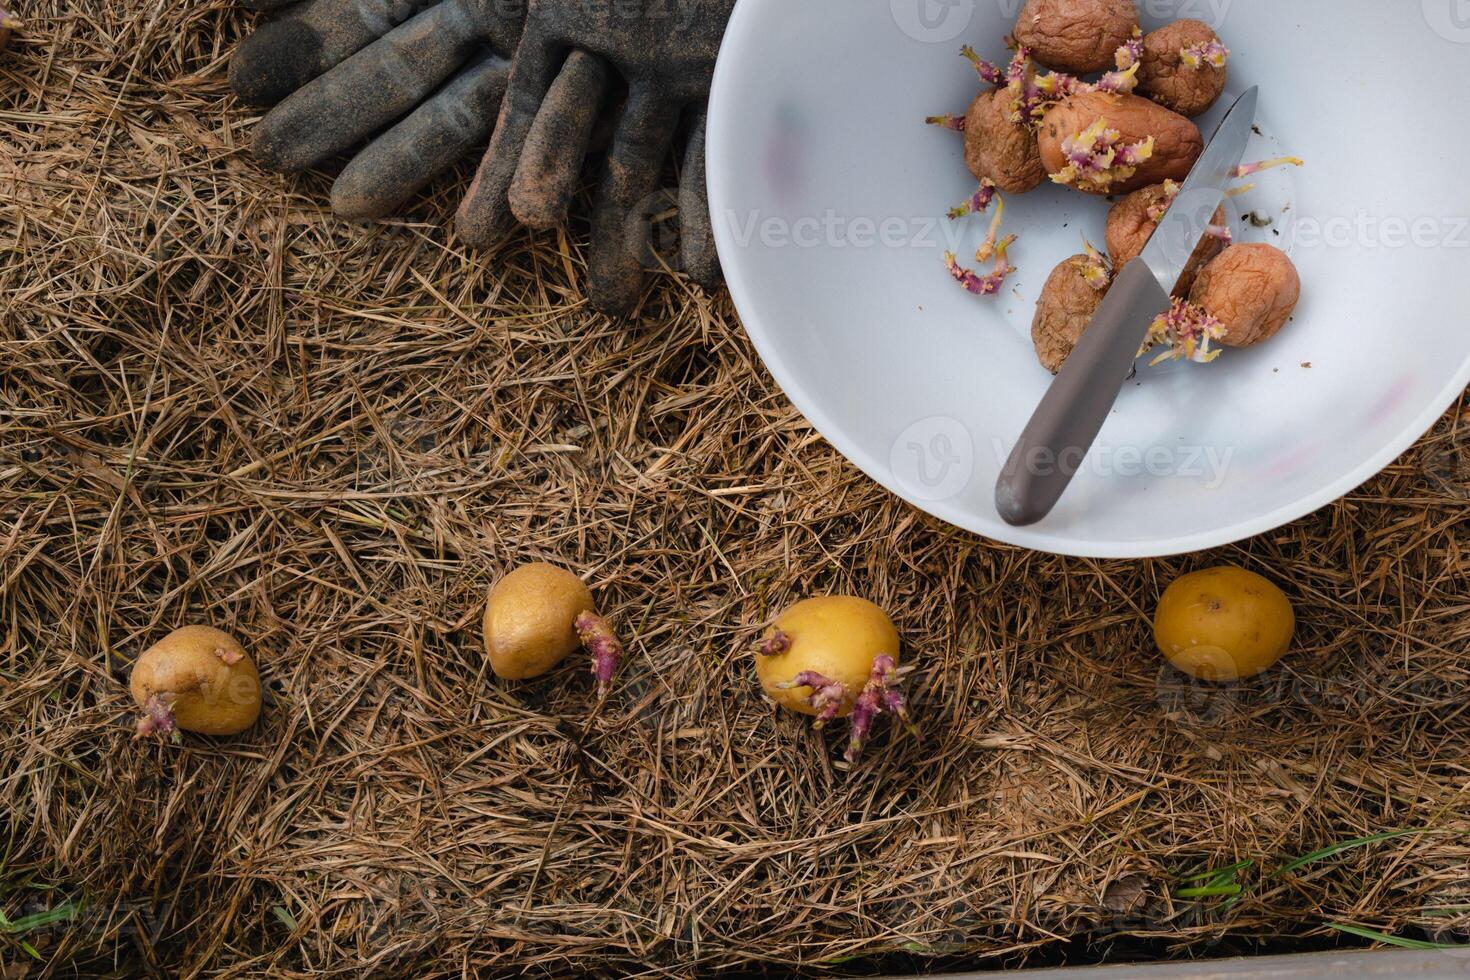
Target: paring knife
pixel 1065 424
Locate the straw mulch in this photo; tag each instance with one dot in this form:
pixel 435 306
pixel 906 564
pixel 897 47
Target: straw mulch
pixel 220 404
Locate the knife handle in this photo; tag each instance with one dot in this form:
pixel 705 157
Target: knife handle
pixel 1065 424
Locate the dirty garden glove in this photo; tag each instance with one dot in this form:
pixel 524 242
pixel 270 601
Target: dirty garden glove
pixel 426 84
pixel 665 50
pixel 349 68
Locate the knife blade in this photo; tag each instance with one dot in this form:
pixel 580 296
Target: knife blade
pixel 1173 243
pixel 1064 426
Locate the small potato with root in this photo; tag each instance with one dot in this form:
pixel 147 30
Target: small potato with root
pixel 834 657
pixel 196 679
pixel 536 616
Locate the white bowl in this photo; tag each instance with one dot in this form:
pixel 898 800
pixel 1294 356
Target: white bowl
pixel 829 195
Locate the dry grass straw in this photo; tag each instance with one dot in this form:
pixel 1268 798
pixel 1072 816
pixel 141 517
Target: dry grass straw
pixel 220 404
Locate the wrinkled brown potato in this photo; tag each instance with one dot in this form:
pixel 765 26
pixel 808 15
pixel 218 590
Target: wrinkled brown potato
pixel 999 149
pixel 530 620
pixel 1168 81
pixel 1077 36
pixel 1251 289
pixel 1130 227
pixel 1177 141
pixel 1063 312
pixel 197 679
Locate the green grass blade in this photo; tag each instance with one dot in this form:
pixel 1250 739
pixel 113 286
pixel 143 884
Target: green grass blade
pixel 1222 881
pixel 1347 845
pixel 1207 891
pixel 64 912
pixel 1400 941
pixel 1215 875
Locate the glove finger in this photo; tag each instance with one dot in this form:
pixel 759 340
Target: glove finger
pixel 696 231
pixel 486 208
pixel 442 131
pixel 620 226
pixel 373 88
pixel 285 54
pixel 556 145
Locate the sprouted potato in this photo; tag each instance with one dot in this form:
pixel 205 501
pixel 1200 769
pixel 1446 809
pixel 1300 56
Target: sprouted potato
pixel 1068 302
pixel 834 657
pixel 1077 36
pixel 1109 143
pixel 1251 289
pixel 536 616
pixel 1132 221
pixel 196 679
pixel 1184 67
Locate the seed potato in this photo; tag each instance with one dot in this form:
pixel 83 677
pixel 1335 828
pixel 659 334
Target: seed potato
pixel 835 636
pixel 835 657
pixel 1067 305
pixel 1251 289
pixel 197 679
pixel 1177 141
pixel 1130 226
pixel 1165 78
pixel 1076 36
pixel 1224 624
pixel 998 149
pixel 530 620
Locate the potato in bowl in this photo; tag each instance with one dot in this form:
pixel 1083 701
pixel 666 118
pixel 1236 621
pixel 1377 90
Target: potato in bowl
pixel 1193 458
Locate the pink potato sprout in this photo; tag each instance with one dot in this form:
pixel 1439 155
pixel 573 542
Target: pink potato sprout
pixel 1099 157
pixel 978 203
pixel 1211 53
pixel 1187 331
pixel 989 73
pixel 994 247
pixel 990 283
pixel 879 695
pixel 604 646
pixel 947 121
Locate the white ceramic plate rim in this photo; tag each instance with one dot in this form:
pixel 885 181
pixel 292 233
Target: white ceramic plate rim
pixel 724 155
